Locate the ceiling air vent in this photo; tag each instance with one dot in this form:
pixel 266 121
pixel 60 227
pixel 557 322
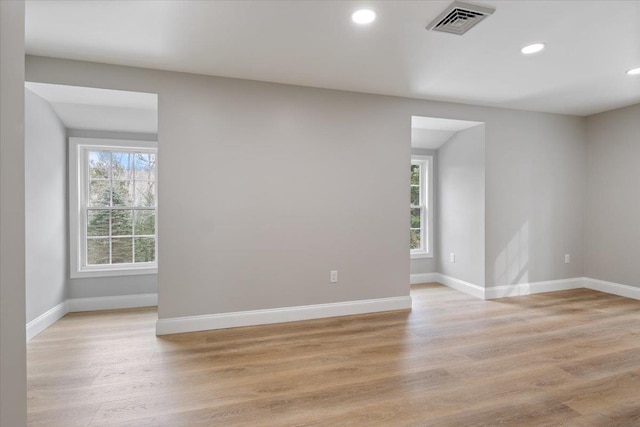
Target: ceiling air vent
pixel 459 18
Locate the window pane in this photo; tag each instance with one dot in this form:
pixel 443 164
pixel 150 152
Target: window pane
pixel 415 175
pixel 121 222
pixel 415 239
pixel 97 251
pixel 122 166
pixel 145 249
pixel 122 193
pixel 415 195
pixel 145 194
pixel 145 165
pixel 416 218
pixel 99 164
pixel 98 222
pixel 122 248
pixel 145 221
pixel 99 193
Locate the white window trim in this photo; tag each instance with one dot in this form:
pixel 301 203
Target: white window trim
pixel 426 182
pixel 77 184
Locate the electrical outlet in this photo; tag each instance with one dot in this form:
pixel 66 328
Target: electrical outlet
pixel 452 257
pixel 567 258
pixel 333 276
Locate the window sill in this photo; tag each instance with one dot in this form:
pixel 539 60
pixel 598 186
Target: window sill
pixel 111 272
pixel 418 255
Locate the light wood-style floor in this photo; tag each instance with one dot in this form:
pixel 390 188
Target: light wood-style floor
pixel 567 358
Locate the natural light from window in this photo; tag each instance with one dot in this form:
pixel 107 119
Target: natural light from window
pixel 116 205
pixel 420 227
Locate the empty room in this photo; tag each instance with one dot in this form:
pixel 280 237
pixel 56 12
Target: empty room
pixel 319 213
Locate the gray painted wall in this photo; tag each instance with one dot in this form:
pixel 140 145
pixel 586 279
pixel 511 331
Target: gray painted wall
pixel 94 287
pixel 13 369
pixel 460 206
pixel 46 233
pixel 262 238
pixel 613 199
pixel 535 198
pixel 428 265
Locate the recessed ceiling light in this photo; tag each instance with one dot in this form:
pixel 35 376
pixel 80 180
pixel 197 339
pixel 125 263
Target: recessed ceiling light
pixel 532 48
pixel 363 16
pixel 634 71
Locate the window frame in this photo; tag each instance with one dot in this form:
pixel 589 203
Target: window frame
pixel 426 205
pixel 78 198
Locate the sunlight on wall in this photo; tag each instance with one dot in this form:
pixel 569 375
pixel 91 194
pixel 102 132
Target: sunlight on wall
pixel 512 264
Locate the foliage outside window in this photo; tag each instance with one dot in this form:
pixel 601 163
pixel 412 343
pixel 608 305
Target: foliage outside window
pixel 420 221
pixel 115 208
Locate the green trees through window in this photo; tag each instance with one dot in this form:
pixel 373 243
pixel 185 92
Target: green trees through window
pixel 121 207
pixel 415 209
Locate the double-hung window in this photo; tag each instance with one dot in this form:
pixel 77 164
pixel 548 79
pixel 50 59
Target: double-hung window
pixel 113 204
pixel 421 235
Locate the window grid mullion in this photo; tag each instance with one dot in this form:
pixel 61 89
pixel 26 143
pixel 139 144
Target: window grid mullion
pixel 423 195
pixel 110 206
pixel 422 211
pixel 420 181
pixel 133 202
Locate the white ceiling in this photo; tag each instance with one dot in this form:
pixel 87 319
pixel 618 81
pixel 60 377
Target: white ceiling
pixel 591 44
pixel 101 109
pixel 431 133
pixel 420 122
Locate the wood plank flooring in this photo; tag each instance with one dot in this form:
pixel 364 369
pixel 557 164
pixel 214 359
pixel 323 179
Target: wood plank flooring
pixel 568 358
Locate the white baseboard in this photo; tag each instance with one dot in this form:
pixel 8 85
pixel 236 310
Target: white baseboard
pixel 289 314
pixel 46 319
pixel 423 278
pixel 112 303
pixel 521 289
pixel 72 305
pixel 278 315
pixel 612 288
pixel 460 285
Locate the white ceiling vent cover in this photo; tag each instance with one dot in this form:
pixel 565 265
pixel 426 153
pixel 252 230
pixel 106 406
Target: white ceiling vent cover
pixel 459 18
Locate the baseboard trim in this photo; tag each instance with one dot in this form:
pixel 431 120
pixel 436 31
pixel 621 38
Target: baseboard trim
pixel 46 319
pixel 522 289
pixel 290 314
pixel 72 305
pixel 462 286
pixel 112 303
pixel 279 315
pixel 612 288
pixel 423 278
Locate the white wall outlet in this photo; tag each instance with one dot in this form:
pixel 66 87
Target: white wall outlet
pixel 567 258
pixel 333 276
pixel 452 257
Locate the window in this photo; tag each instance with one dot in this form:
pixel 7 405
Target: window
pixel 113 201
pixel 421 236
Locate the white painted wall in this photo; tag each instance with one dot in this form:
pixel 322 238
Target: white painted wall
pixel 613 197
pixel 428 265
pixel 94 287
pixel 13 376
pixel 461 206
pixel 535 198
pixel 240 231
pixel 46 204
